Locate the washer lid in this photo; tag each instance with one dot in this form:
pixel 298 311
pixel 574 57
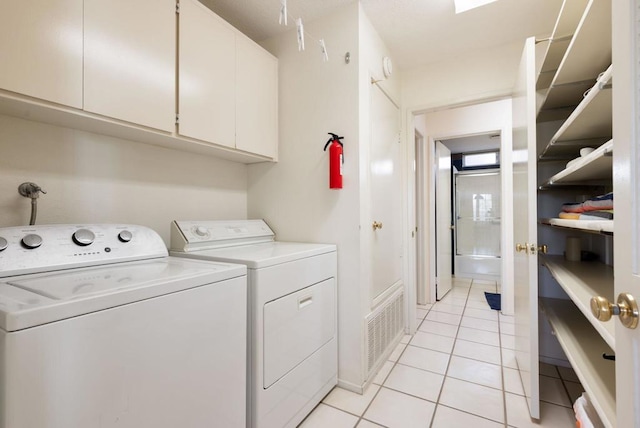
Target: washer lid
pixel 261 255
pixel 31 300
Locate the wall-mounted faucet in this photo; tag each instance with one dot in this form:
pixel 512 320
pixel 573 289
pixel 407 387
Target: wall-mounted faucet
pixel 31 190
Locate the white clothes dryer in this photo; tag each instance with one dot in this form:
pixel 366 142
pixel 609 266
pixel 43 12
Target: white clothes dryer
pixel 292 313
pixel 100 328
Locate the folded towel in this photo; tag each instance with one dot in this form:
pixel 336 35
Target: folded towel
pixel 603 202
pixel 569 216
pixel 598 203
pixel 600 214
pixel 572 207
pixel 588 215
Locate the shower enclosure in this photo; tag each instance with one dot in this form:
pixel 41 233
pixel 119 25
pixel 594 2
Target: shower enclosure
pixel 477 225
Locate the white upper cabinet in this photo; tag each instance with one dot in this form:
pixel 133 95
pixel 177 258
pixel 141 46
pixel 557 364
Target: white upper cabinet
pixel 144 70
pixel 41 49
pixel 256 99
pixel 207 76
pixel 228 85
pixel 130 61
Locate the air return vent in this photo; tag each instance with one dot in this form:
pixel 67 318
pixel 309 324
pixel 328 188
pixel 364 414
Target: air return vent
pixel 384 325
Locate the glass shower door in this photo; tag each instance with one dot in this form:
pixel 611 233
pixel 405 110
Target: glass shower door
pixel 478 214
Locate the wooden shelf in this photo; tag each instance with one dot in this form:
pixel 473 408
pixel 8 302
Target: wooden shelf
pixel 584 349
pixel 589 125
pixel 563 31
pixel 590 49
pixel 588 53
pixel 592 169
pixel 582 281
pixel 599 227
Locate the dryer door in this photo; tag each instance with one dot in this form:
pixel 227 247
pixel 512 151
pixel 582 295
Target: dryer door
pixel 295 326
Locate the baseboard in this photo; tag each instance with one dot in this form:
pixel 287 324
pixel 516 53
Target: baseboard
pixel 358 389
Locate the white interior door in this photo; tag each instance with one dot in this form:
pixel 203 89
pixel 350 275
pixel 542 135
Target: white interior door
pixel 444 251
pixel 422 244
pixel 626 173
pixel 525 227
pixel 386 193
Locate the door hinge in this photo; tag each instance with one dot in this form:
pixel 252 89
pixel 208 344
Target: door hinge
pixel 177 7
pixel 177 119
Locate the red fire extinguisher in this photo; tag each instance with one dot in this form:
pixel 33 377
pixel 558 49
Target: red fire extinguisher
pixel 336 160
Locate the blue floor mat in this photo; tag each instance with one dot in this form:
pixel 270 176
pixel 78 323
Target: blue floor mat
pixel 493 299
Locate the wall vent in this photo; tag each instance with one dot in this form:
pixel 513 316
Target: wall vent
pixel 384 325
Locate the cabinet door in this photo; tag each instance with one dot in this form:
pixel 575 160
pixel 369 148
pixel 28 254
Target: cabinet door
pixel 525 227
pixel 257 99
pixel 41 49
pixel 129 62
pixel 206 100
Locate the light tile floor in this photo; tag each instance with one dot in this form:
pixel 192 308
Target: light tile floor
pixel 458 370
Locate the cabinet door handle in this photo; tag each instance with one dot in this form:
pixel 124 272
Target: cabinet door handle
pixel 626 309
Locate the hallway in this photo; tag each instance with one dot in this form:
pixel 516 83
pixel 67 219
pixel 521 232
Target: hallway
pixel 457 371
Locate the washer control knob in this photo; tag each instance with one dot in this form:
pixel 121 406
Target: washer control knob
pixel 3 244
pixel 32 241
pixel 83 237
pixel 201 231
pixel 125 236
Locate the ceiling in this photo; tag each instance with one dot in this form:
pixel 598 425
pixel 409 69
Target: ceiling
pixel 476 143
pixel 417 32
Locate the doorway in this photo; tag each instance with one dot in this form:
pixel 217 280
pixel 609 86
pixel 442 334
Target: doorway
pixel 450 123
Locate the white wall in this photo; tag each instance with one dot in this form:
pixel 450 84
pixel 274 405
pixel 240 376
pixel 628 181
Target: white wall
pixel 91 178
pixel 486 74
pixel 293 196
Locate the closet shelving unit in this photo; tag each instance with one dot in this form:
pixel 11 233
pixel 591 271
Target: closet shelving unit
pixel 580 87
pixel 584 351
pixel 589 125
pixel 587 53
pixel 592 169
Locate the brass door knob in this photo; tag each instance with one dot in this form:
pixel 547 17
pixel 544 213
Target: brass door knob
pixel 626 309
pixel 520 248
pixel 601 308
pixel 377 225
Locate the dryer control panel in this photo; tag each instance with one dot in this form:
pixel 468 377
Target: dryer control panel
pixel 43 248
pixel 200 235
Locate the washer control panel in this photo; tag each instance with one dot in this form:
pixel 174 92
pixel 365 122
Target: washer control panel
pixel 42 248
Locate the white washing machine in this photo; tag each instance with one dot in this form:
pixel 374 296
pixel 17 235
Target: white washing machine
pixel 292 313
pixel 100 328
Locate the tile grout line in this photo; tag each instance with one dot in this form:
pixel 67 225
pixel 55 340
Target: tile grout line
pixel 455 339
pixel 504 389
pixel 395 363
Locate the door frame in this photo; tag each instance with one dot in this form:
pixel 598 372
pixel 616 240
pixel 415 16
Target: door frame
pixel 421 224
pixel 486 121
